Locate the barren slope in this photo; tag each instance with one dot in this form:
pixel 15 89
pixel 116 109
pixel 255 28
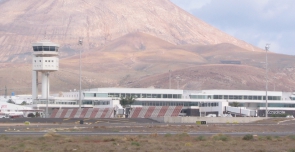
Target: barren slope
pixel 99 22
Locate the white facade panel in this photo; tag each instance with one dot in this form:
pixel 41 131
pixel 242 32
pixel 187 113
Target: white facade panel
pixel 45 63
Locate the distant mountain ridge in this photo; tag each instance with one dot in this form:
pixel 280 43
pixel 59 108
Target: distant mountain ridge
pixel 131 43
pixel 99 22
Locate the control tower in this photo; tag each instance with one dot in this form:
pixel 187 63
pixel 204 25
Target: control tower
pixel 45 60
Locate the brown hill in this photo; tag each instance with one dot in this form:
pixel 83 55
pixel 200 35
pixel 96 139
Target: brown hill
pixel 131 44
pixel 99 22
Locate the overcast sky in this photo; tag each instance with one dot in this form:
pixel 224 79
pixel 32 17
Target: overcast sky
pixel 255 21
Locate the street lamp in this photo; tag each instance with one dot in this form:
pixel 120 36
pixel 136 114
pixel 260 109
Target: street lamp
pixel 46 110
pixel 80 43
pixel 266 105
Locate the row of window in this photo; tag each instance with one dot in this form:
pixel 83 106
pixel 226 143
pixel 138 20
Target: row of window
pixel 66 103
pixel 186 104
pixel 45 65
pixel 45 60
pixel 95 102
pixel 45 48
pixel 134 95
pixel 277 105
pixel 235 97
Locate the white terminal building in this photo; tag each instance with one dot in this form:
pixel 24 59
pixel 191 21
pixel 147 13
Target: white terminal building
pixel 193 102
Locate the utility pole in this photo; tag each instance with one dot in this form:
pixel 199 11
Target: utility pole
pixel 266 104
pixel 5 94
pixel 46 110
pixel 169 79
pixel 80 100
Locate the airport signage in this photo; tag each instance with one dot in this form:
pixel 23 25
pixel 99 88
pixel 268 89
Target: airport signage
pixel 201 122
pixel 276 112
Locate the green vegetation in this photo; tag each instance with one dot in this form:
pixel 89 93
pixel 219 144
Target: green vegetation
pixel 127 101
pixel 235 104
pixel 221 137
pixel 200 138
pixel 292 137
pixel 135 144
pixel 268 137
pixel 248 137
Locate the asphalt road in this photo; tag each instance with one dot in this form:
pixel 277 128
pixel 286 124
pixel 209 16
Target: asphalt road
pixel 18 128
pixel 76 120
pixel 148 133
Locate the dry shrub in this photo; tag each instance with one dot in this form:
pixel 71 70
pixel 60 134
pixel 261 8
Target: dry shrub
pixel 109 139
pixel 200 138
pixel 168 135
pixel 221 137
pixel 51 134
pixel 248 137
pixel 154 135
pixel 129 138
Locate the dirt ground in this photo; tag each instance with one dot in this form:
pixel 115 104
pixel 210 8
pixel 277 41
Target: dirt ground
pixel 176 138
pixel 54 142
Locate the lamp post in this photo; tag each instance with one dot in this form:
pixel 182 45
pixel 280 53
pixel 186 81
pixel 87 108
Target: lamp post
pixel 46 110
pixel 80 101
pixel 266 105
pixel 200 109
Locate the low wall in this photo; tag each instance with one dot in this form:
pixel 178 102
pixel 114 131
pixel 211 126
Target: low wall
pixel 208 119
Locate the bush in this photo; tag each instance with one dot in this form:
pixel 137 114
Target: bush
pixel 31 115
pixel 221 137
pixel 248 137
pixel 292 137
pixel 268 137
pixel 200 138
pixel 168 135
pixel 135 144
pixel 184 134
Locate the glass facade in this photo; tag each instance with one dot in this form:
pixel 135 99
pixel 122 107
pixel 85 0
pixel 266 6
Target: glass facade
pixel 165 103
pixel 134 95
pixel 234 97
pixel 281 105
pixel 45 48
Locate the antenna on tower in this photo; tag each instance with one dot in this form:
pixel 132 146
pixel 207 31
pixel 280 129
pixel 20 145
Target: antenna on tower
pixel 5 94
pixel 45 36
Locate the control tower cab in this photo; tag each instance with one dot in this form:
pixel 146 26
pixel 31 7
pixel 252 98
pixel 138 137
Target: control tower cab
pixel 45 60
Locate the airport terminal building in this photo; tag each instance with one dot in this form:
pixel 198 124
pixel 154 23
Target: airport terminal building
pixel 192 102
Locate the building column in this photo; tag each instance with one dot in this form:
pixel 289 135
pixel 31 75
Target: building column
pixel 34 85
pixel 45 87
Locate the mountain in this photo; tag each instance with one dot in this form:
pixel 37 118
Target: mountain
pixel 98 22
pixel 128 43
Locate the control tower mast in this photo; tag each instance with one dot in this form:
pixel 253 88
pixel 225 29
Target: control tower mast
pixel 45 60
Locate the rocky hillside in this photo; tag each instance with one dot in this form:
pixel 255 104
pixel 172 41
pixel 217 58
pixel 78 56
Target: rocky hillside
pixel 98 22
pixel 130 43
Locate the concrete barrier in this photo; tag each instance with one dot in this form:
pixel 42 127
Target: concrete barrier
pixel 208 119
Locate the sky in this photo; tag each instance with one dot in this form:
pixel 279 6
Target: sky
pixel 257 22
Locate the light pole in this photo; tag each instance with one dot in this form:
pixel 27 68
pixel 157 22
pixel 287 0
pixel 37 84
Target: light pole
pixel 177 80
pixel 169 79
pixel 266 105
pixel 80 43
pixel 46 110
pixel 200 109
